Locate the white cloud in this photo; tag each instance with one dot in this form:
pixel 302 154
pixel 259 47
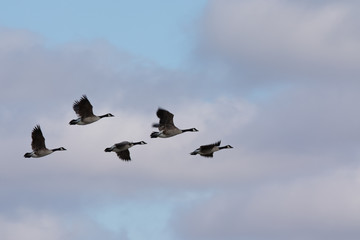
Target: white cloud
pixel 51 79
pixel 41 227
pixel 27 223
pixel 284 37
pixel 281 141
pixel 325 206
pixel 17 40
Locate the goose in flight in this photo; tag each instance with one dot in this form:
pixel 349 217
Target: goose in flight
pixel 122 149
pixel 166 125
pixel 38 145
pixel 208 150
pixel 84 111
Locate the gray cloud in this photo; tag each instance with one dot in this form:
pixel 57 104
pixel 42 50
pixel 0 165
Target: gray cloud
pixel 291 134
pixel 44 225
pixel 270 41
pixel 319 207
pixel 40 85
pixel 317 118
pixel 298 170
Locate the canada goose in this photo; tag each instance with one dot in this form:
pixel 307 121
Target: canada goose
pixel 38 145
pixel 166 125
pixel 122 149
pixel 208 150
pixel 84 110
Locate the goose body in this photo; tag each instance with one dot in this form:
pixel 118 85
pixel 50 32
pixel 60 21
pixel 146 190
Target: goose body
pixel 208 150
pixel 38 145
pixel 84 111
pixel 122 149
pixel 166 125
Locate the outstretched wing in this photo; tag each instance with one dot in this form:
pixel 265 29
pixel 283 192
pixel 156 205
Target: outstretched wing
pixel 166 117
pixel 38 140
pixel 83 107
pixel 208 147
pixel 124 155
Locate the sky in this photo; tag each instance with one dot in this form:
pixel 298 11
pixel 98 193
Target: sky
pixel 275 79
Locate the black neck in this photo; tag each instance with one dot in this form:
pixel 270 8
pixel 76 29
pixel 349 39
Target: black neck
pixel 57 149
pixel 223 147
pixel 187 130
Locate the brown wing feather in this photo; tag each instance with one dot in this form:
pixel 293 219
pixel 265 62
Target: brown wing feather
pixel 83 107
pixel 38 140
pixel 124 155
pixel 209 146
pixel 165 117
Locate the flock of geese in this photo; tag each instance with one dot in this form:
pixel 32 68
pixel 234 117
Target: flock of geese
pixel 84 111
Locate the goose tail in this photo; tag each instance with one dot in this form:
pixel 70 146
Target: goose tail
pixel 108 149
pixel 195 152
pixel 154 134
pixel 73 122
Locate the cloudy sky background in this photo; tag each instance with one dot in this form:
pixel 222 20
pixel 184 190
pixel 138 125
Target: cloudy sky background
pixel 277 80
